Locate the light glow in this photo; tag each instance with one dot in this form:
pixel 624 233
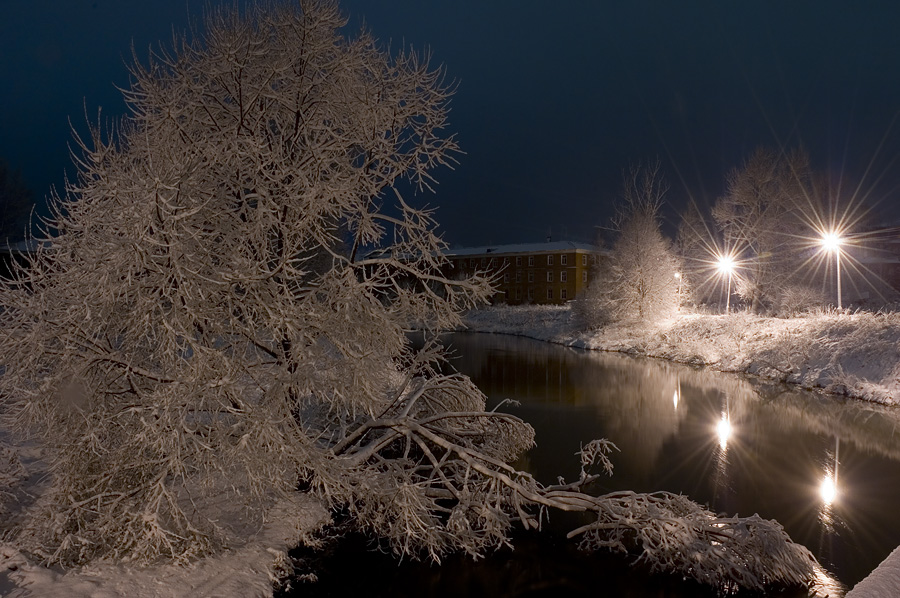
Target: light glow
pixel 724 431
pixel 725 264
pixel 828 490
pixel 831 241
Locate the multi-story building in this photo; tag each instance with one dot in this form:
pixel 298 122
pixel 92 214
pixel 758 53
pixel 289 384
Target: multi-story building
pixel 552 272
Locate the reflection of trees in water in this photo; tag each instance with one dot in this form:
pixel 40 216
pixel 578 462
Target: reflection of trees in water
pixel 782 444
pixel 633 398
pixel 635 401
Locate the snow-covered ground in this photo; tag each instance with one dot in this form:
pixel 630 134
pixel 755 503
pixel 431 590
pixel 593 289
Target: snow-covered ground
pixel 257 559
pixel 857 355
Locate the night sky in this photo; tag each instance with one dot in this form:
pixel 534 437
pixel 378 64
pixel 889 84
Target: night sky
pixel 554 99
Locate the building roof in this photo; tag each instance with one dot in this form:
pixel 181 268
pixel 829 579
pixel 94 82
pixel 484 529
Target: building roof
pixel 26 246
pixel 547 247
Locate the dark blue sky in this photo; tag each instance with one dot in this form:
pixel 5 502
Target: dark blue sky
pixel 554 99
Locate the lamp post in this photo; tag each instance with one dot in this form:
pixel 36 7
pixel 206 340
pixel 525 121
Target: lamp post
pixel 831 242
pixel 678 292
pixel 726 267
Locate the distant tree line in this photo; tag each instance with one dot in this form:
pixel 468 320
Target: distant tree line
pixel 766 222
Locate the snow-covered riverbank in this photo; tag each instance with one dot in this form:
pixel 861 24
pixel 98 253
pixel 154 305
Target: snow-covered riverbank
pixel 856 355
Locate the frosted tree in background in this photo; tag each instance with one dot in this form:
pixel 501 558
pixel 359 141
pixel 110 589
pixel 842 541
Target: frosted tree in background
pixel 760 217
pixel 637 281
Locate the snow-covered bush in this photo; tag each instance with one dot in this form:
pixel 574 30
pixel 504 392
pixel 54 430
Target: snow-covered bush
pixel 794 300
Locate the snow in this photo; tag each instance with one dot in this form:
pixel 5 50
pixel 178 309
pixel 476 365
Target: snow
pixel 856 355
pixel 250 569
pixel 883 582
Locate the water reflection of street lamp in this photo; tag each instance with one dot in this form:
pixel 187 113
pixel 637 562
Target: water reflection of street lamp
pixel 726 267
pixel 723 430
pixel 828 489
pixel 831 242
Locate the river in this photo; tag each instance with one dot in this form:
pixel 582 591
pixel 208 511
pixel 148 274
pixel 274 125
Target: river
pixel 827 468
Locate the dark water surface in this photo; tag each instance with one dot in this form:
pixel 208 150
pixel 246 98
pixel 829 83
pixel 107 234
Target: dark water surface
pixel 827 469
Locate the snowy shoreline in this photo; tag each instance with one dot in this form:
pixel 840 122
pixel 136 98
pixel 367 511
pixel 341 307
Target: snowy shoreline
pixel 856 355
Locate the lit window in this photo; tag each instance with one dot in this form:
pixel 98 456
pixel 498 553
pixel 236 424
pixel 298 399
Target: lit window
pixel 550 260
pixel 549 276
pixel 563 260
pixel 550 294
pixel 563 276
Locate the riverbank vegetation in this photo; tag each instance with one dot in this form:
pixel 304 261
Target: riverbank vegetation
pixel 852 354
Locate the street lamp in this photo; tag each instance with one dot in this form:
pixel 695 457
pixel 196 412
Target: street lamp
pixel 831 242
pixel 678 295
pixel 726 267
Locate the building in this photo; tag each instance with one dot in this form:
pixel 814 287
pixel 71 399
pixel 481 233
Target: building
pixel 544 273
pixel 14 252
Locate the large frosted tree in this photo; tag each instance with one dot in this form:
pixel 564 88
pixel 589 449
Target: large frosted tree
pixel 222 317
pixel 211 316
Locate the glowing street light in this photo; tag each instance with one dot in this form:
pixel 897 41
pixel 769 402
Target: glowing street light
pixel 725 265
pixel 831 242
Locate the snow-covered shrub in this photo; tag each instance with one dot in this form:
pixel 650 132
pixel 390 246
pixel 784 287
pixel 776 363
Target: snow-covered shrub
pixel 794 300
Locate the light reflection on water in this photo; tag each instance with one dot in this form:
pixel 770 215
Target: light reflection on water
pixel 826 469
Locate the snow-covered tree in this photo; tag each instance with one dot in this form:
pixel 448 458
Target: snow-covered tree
pixel 637 281
pixel 222 317
pixel 210 316
pixel 760 217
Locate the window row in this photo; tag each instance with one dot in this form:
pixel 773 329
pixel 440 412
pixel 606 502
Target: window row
pixel 520 260
pixel 563 294
pixel 563 277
